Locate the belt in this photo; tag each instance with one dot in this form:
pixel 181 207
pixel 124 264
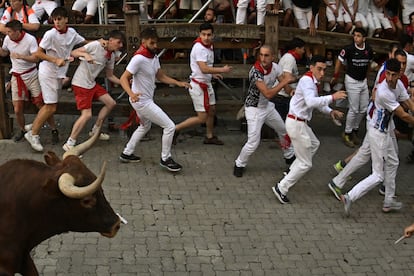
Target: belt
pixel 296 118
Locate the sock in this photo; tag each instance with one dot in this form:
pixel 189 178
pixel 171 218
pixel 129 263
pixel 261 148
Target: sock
pixel 343 163
pixel 71 142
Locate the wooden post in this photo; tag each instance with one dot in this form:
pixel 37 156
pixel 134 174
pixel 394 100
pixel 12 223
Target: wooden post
pixel 133 31
pixel 5 125
pixel 272 31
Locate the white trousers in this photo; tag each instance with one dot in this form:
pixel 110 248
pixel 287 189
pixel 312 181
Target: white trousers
pixel 384 165
pixel 256 117
pixel 148 114
pixel 304 16
pixel 358 98
pixel 305 145
pixel 242 11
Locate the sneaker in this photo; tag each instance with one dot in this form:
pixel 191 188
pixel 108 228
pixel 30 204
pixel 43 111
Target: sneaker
pixel 335 190
pixel 355 138
pixel 410 158
pixel 392 205
pixel 170 165
pixel 238 171
pixel 338 166
pixel 281 197
pixel 55 136
pixel 213 141
pixel 381 190
pixel 125 158
pixel 28 127
pixel 348 140
pixel 19 136
pixel 67 147
pixel 347 204
pixel 34 141
pixel 102 136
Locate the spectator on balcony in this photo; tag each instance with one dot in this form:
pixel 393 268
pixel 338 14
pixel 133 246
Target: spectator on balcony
pixel 245 7
pixel 332 8
pixel 407 8
pixel 40 7
pixel 348 15
pixel 91 8
pixel 306 12
pixel 19 10
pixel 409 29
pixel 381 22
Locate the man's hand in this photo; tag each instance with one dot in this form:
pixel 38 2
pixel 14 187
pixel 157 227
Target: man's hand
pixel 338 95
pixel 184 84
pixel 135 97
pixel 408 231
pixel 336 114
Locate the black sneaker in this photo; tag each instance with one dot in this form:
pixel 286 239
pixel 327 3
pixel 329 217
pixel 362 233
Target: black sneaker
pixel 124 158
pixel 381 190
pixel 170 165
pixel 282 198
pixel 19 136
pixel 55 136
pixel 238 171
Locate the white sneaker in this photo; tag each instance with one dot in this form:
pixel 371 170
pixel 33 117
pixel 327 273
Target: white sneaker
pixel 102 136
pixel 34 141
pixel 67 147
pixel 28 127
pixel 392 205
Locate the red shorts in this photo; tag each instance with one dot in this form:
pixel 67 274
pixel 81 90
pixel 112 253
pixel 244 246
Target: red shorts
pixel 84 96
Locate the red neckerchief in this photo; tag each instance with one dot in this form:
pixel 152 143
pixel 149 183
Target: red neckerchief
pixel 19 38
pixel 208 46
pixel 144 52
pixel 294 54
pixel 309 74
pixel 62 31
pixel 262 70
pixel 108 54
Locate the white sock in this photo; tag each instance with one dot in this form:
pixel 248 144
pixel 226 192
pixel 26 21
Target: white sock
pixel 71 142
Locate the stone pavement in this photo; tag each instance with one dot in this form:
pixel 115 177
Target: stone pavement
pixel 205 221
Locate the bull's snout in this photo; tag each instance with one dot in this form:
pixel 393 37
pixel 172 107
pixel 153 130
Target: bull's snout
pixel 114 229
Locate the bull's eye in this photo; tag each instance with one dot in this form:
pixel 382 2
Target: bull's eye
pixel 88 202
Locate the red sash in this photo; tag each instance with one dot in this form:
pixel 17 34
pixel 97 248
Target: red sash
pixel 204 87
pixel 21 86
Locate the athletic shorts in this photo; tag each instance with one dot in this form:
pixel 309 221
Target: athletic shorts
pixel 84 96
pixel 50 86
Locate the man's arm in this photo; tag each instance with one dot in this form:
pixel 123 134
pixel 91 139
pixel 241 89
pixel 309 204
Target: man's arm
pixel 124 81
pixel 205 69
pixel 271 92
pixel 162 77
pixel 111 77
pixel 42 56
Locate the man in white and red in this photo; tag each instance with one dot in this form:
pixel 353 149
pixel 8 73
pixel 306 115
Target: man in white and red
pixel 202 92
pixel 143 69
pixel 94 57
pixel 54 51
pixel 24 82
pixel 304 141
pixel 21 12
pixel 259 110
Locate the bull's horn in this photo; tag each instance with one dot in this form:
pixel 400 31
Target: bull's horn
pixel 81 148
pixel 68 188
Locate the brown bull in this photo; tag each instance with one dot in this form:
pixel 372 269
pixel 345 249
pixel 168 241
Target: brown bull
pixel 38 201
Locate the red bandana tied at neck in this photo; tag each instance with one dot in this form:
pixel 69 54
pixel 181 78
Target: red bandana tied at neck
pixel 62 31
pixel 19 38
pixel 144 52
pixel 208 46
pixel 294 54
pixel 262 70
pixel 309 74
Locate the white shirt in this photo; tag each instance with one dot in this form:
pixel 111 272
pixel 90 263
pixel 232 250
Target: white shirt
pixel 288 64
pixel 86 73
pixel 386 101
pixel 26 46
pixel 409 70
pixel 58 45
pixel 306 98
pixel 143 72
pixel 201 53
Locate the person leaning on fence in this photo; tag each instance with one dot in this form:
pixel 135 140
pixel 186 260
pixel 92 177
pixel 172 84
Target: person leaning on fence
pixel 259 110
pixel 202 92
pixel 24 82
pixel 144 69
pixel 19 10
pixel 54 51
pixel 94 57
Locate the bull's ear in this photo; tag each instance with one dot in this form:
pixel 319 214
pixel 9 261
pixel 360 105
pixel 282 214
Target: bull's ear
pixel 88 201
pixel 50 188
pixel 51 158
